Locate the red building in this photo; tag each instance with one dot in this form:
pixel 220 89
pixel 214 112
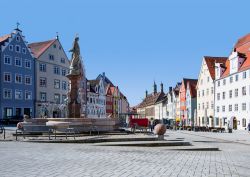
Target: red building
pixel 183 92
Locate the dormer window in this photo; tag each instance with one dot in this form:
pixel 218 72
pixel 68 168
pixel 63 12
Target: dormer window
pixel 17 38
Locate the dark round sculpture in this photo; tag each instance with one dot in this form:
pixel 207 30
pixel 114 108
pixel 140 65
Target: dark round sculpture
pixel 160 129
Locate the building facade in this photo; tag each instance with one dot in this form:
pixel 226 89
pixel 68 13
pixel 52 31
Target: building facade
pixel 17 82
pixel 182 94
pixel 147 107
pixel 52 86
pixel 191 103
pixel 96 99
pixel 232 88
pixel 205 91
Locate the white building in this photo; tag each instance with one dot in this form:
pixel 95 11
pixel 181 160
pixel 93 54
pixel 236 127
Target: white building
pixel 52 66
pixel 96 99
pixel 232 88
pixel 205 91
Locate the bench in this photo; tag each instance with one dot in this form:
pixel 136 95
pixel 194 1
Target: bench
pixel 2 131
pixel 33 129
pixel 93 129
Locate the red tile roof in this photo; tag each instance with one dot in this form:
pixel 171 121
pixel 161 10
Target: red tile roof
pixel 192 86
pixel 5 37
pixel 210 61
pixel 242 41
pixel 39 47
pixel 243 48
pixel 151 99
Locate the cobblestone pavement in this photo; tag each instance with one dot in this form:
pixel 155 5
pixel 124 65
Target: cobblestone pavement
pixel 41 159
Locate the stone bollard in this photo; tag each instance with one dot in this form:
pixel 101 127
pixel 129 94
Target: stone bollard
pixel 160 130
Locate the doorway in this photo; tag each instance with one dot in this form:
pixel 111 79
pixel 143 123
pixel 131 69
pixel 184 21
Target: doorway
pixel 234 123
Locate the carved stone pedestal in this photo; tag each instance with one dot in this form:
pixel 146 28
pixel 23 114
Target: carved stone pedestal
pixel 73 106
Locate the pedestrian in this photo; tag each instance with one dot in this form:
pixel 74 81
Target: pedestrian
pixel 248 127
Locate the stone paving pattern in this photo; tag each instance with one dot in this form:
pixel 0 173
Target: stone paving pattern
pixel 48 159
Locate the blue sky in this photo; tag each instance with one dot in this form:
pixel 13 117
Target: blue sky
pixel 134 41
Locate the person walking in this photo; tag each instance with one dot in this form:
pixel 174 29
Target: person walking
pixel 248 127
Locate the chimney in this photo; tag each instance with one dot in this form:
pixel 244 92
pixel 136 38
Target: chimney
pixel 146 93
pixel 162 88
pixel 170 89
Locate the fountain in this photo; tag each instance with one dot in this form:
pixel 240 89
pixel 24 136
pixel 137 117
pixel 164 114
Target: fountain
pixel 76 101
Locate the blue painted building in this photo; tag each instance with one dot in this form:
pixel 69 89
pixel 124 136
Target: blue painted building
pixel 17 81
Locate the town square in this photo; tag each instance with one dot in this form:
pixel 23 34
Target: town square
pixel 129 88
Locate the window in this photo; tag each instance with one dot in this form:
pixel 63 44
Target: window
pixel 7 60
pixel 51 57
pixel 207 105
pixel 42 67
pixel 57 98
pixel 62 60
pixel 56 70
pixel 244 106
pixel 244 91
pixel 10 47
pixel 54 46
pixel 212 105
pixel 64 85
pixel 18 61
pixel 43 82
pixel 208 79
pixel 231 79
pixel 17 38
pixel 17 47
pixel 18 78
pixel 244 75
pixel 223 95
pixel 244 122
pixel 230 107
pixel 28 80
pixel 218 96
pixel 236 107
pixel 236 77
pixel 43 96
pixel 7 77
pixel 236 92
pixel 64 72
pixel 57 84
pixel 64 97
pixel 199 106
pixel 27 64
pixel 218 109
pixel 24 50
pixel 203 93
pixel 8 112
pixel 224 81
pixel 218 83
pixel 28 95
pixel 212 90
pixel 18 94
pixel 7 93
pixel 223 109
pixel 203 106
pixel 230 93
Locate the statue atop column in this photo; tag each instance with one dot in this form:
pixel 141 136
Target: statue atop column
pixel 77 93
pixel 76 65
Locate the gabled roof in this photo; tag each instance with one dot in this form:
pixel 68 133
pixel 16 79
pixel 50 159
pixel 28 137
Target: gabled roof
pixel 210 61
pixel 106 80
pixel 192 86
pixel 38 48
pixel 242 41
pixel 4 38
pixel 191 81
pixel 151 99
